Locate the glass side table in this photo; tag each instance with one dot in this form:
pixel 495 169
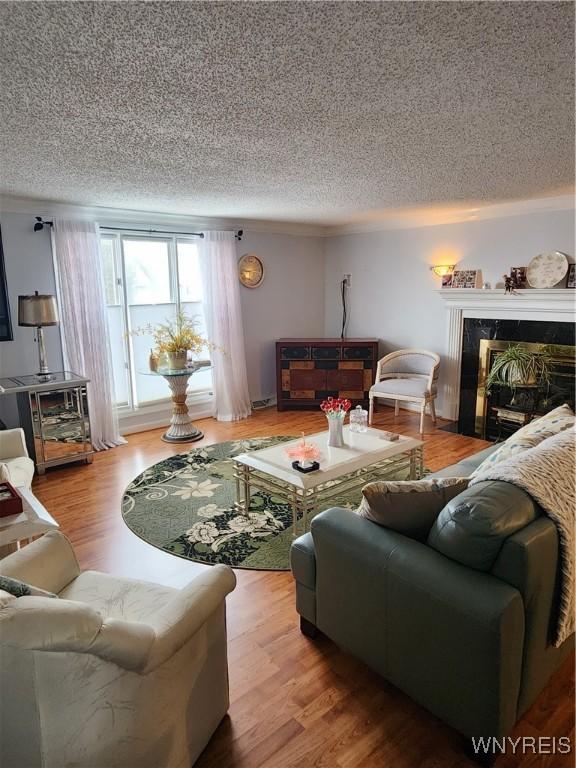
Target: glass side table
pixel 182 429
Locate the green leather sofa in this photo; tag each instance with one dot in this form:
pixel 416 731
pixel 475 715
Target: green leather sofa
pixel 471 644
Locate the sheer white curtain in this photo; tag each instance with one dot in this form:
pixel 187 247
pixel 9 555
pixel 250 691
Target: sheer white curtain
pixel 224 324
pixel 84 327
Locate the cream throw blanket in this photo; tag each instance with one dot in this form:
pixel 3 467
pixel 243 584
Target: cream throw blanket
pixel 547 473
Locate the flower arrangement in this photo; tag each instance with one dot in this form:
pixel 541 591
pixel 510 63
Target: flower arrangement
pixel 175 338
pixel 335 407
pixel 303 452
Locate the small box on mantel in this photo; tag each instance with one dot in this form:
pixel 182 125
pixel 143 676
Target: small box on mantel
pixel 10 500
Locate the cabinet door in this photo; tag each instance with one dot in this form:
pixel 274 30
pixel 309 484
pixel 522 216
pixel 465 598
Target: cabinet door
pixel 345 379
pixel 309 380
pixel 61 426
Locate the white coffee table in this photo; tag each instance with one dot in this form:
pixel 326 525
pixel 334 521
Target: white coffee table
pixel 365 456
pixel 34 520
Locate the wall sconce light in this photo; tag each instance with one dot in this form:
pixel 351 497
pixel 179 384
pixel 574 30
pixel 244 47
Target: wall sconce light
pixel 443 269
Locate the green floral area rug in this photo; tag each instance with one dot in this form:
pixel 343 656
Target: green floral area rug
pixel 185 505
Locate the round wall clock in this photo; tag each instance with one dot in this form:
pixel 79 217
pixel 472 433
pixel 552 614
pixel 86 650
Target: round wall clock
pixel 250 270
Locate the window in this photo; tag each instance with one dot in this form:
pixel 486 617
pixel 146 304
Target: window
pixel 146 279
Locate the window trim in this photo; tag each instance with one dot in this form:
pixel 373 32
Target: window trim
pixel 118 236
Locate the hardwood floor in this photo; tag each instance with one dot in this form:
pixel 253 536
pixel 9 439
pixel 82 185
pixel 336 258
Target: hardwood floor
pixel 294 701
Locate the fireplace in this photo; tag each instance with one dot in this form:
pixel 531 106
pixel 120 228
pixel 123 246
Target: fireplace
pixel 538 316
pixel 502 411
pixel 496 416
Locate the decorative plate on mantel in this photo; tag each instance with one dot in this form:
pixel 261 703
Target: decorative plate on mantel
pixel 547 269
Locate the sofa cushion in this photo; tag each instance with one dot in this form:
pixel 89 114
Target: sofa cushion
pixel 473 526
pixel 407 387
pixel 18 472
pixel 116 597
pixel 408 506
pixel 6 598
pixel 532 434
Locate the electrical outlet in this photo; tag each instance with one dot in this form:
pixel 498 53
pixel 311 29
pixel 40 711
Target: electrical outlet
pixel 348 280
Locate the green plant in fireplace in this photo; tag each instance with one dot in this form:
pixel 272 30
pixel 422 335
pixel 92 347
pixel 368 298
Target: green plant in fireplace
pixel 519 367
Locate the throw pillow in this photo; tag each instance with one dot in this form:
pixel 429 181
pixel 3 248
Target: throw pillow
pixel 532 434
pixel 21 589
pixel 409 507
pixel 473 526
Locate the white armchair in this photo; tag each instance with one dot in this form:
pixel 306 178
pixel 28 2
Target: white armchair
pixel 407 375
pixel 15 465
pixel 117 673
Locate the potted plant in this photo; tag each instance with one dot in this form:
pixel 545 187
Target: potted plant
pixel 175 338
pixel 518 367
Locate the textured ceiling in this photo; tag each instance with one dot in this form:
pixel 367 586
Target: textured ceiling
pixel 303 111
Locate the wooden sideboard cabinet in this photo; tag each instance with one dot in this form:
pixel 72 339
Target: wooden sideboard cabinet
pixel 309 370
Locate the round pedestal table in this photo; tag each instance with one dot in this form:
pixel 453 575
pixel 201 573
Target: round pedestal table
pixel 182 428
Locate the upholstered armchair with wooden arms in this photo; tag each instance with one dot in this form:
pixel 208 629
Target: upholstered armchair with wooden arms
pixel 15 465
pixel 115 673
pixel 407 375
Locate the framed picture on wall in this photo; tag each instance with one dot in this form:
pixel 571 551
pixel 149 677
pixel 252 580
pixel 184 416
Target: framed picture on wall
pixel 571 280
pixel 5 322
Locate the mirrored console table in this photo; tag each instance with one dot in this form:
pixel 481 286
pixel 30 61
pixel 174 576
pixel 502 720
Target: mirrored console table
pixel 53 412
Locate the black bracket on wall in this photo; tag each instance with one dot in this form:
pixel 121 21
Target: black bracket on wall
pixel 40 224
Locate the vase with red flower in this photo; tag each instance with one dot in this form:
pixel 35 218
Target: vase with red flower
pixel 335 409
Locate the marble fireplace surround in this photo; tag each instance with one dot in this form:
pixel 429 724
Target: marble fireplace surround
pixel 556 305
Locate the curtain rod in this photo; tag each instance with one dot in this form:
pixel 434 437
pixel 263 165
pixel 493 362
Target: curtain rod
pixel 153 231
pixel 40 224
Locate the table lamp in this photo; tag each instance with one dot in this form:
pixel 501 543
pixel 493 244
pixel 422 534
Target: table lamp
pixel 38 311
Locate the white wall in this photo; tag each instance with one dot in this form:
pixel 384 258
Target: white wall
pixel 290 301
pixel 29 268
pixel 392 293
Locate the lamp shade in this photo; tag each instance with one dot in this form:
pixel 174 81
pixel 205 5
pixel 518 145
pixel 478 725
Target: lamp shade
pixel 37 310
pixel 443 269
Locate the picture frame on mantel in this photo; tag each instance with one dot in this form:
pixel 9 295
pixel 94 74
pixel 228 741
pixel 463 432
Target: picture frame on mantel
pixel 466 278
pixel 571 278
pixel 519 279
pixel 5 321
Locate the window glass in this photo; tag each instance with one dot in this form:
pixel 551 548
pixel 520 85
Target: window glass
pixel 161 274
pixel 109 271
pixel 147 271
pixel 189 272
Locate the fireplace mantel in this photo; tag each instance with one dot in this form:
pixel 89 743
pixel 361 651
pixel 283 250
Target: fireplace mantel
pixel 524 300
pixel 552 305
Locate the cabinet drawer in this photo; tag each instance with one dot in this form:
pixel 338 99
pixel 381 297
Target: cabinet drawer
pixel 326 353
pixel 295 353
pixel 313 379
pixel 357 353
